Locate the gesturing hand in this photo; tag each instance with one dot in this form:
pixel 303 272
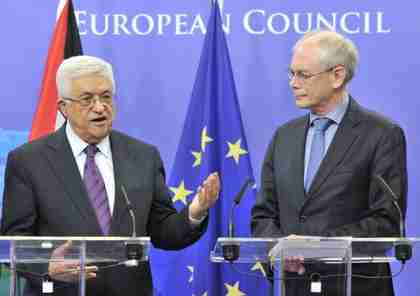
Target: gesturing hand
pixel 206 196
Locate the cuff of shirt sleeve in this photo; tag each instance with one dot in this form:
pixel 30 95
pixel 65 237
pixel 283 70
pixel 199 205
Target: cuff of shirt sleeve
pixel 196 222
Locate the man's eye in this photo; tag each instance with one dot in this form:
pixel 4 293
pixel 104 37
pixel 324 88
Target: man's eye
pixel 86 99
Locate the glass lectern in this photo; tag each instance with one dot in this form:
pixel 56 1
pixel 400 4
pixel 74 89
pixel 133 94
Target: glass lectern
pixel 330 263
pixel 29 259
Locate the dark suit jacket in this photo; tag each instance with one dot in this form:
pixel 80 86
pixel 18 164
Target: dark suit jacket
pixel 44 195
pixel 344 199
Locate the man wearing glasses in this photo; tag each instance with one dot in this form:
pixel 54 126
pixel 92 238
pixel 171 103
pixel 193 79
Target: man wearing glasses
pixel 73 182
pixel 318 175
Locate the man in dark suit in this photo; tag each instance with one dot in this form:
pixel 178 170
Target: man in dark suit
pixel 318 176
pixel 55 187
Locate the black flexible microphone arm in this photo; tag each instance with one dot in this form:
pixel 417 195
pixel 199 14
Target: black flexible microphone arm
pixel 403 250
pixel 387 189
pixel 134 251
pixel 130 211
pixel 231 250
pixel 236 201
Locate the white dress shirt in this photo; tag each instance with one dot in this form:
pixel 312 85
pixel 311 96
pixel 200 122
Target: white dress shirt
pixel 103 160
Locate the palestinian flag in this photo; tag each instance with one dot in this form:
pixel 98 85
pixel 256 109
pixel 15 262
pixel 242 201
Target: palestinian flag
pixel 65 43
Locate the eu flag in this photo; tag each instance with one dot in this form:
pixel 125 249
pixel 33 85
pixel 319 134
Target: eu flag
pixel 213 140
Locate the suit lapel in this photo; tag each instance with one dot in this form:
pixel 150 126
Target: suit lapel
pixel 61 159
pixel 298 159
pixel 120 158
pixel 345 136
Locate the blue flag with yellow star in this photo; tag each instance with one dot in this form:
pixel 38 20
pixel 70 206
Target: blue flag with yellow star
pixel 213 140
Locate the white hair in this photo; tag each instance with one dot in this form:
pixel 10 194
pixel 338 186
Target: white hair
pixel 335 49
pixel 78 66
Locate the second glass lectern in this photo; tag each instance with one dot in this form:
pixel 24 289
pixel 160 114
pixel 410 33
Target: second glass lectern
pixel 328 262
pixel 29 260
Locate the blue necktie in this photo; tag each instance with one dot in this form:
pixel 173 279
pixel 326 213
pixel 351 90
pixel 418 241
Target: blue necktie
pixel 95 188
pixel 317 149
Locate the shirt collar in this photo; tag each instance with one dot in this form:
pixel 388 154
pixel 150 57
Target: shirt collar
pixel 336 114
pixel 78 145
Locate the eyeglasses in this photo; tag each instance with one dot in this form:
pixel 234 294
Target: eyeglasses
pixel 89 100
pixel 301 76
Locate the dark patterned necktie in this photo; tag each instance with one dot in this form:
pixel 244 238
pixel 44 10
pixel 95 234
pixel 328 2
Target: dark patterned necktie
pixel 317 149
pixel 95 187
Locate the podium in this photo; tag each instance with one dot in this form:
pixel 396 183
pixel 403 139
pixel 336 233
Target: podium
pixel 330 262
pixel 27 259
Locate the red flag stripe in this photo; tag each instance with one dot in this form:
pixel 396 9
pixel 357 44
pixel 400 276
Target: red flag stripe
pixel 46 112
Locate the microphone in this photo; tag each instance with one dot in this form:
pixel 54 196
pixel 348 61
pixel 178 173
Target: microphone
pixel 240 194
pixel 133 250
pixel 403 250
pixel 231 250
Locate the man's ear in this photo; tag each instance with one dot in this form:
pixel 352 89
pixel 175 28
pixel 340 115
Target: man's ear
pixel 62 107
pixel 340 75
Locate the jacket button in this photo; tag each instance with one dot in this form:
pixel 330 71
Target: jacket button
pixel 302 219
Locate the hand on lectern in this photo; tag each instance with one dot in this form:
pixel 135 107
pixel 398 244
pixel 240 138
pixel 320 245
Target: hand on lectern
pixel 67 270
pixel 294 263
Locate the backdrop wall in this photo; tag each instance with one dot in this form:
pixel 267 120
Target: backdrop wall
pixel 155 47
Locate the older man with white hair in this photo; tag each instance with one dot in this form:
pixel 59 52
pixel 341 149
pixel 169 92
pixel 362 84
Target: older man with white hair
pixel 318 176
pixel 70 183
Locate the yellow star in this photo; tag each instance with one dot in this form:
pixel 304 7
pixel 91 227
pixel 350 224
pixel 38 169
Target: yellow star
pixel 235 151
pixel 258 266
pixel 205 139
pixel 180 192
pixel 234 290
pixel 197 156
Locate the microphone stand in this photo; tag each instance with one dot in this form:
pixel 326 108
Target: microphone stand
pixel 133 250
pixel 403 249
pixel 231 250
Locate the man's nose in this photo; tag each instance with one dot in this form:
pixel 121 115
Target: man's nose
pixel 98 106
pixel 293 82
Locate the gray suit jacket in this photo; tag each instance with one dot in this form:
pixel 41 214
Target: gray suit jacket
pixel 344 199
pixel 44 195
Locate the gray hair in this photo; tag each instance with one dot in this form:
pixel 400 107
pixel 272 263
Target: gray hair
pixel 78 66
pixel 335 50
